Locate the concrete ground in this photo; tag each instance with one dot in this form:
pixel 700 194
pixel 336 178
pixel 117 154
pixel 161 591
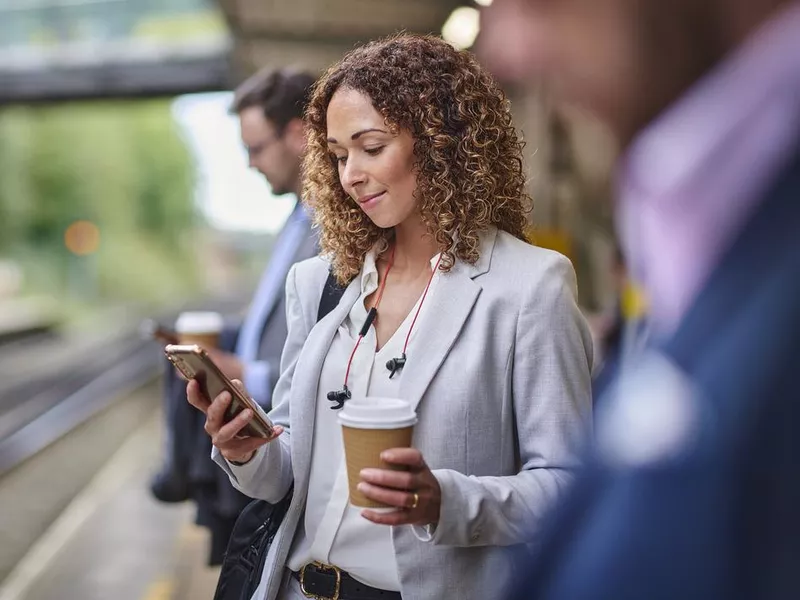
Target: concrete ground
pixel 114 541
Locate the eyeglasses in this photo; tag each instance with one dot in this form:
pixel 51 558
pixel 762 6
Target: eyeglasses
pixel 254 151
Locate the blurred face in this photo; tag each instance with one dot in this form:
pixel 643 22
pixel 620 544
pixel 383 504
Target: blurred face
pixel 376 165
pixel 625 60
pixel 276 156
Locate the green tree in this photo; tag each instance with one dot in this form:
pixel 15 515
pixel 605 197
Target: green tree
pixel 120 165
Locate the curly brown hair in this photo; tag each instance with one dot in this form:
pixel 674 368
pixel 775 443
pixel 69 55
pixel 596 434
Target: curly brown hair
pixel 467 153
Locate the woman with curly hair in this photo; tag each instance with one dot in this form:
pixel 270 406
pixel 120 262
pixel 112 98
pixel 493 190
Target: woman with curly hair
pixel 416 177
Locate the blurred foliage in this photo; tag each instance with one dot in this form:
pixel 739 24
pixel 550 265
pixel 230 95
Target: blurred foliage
pixel 120 165
pixel 53 23
pixel 181 26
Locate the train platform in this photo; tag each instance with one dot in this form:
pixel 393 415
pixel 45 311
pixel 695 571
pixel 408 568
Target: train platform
pixel 113 540
pixel 81 435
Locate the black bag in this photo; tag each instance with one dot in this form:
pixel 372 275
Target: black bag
pixel 258 523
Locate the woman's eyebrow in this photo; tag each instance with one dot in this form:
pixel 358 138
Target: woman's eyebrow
pixel 358 134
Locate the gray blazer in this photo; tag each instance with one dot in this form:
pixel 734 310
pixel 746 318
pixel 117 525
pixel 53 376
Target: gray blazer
pixel 502 391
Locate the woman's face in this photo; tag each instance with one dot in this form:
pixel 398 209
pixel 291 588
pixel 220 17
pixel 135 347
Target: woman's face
pixel 376 166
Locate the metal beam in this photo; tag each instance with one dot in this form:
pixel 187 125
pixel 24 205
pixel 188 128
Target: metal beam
pixel 116 80
pixel 314 33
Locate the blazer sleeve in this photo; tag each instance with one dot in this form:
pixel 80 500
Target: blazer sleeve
pixel 268 475
pixel 550 366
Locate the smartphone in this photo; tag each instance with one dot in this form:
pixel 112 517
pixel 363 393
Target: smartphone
pixel 194 363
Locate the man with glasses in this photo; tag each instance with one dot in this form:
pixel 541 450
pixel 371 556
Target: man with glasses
pixel 270 108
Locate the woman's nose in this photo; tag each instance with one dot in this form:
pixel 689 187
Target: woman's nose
pixel 352 174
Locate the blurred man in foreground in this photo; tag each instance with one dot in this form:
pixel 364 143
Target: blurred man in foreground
pixel 270 108
pixel 693 491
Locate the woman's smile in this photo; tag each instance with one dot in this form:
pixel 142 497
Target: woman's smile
pixel 369 201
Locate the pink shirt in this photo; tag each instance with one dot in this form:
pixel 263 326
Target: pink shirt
pixel 690 181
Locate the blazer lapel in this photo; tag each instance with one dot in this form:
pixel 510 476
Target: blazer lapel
pixel 442 321
pixel 305 389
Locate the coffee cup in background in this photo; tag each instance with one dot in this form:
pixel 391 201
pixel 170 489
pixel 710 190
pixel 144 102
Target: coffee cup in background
pixel 199 327
pixel 369 427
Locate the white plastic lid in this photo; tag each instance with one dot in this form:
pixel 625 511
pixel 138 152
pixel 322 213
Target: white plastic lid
pixel 377 413
pixel 199 322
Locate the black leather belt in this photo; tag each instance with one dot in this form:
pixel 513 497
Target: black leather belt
pixel 326 582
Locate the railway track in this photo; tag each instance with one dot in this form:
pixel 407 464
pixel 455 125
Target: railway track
pixel 35 413
pixel 50 385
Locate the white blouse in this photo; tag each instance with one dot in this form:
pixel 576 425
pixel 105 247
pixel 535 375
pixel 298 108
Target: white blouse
pixel 332 531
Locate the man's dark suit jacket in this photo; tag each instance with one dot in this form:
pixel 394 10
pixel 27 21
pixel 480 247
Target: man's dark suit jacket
pixel 720 518
pixel 189 472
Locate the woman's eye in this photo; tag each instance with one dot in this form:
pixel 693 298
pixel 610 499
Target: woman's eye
pixel 374 151
pixel 339 160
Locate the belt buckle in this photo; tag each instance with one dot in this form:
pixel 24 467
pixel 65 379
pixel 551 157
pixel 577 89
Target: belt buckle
pixel 321 567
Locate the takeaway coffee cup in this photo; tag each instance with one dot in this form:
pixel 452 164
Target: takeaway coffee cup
pixel 369 427
pixel 201 328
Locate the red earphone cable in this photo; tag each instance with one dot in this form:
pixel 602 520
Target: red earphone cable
pixel 369 317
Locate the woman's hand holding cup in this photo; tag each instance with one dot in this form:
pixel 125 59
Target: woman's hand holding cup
pixel 414 490
pixel 384 472
pixel 224 436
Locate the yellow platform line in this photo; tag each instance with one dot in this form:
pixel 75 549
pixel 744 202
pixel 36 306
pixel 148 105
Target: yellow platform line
pixel 162 589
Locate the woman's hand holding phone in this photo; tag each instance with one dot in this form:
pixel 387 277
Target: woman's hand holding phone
pixel 224 435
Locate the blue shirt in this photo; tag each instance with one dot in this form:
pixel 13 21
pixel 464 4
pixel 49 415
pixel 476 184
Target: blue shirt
pixel 257 373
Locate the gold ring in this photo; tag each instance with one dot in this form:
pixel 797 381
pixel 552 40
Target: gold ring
pixel 416 500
